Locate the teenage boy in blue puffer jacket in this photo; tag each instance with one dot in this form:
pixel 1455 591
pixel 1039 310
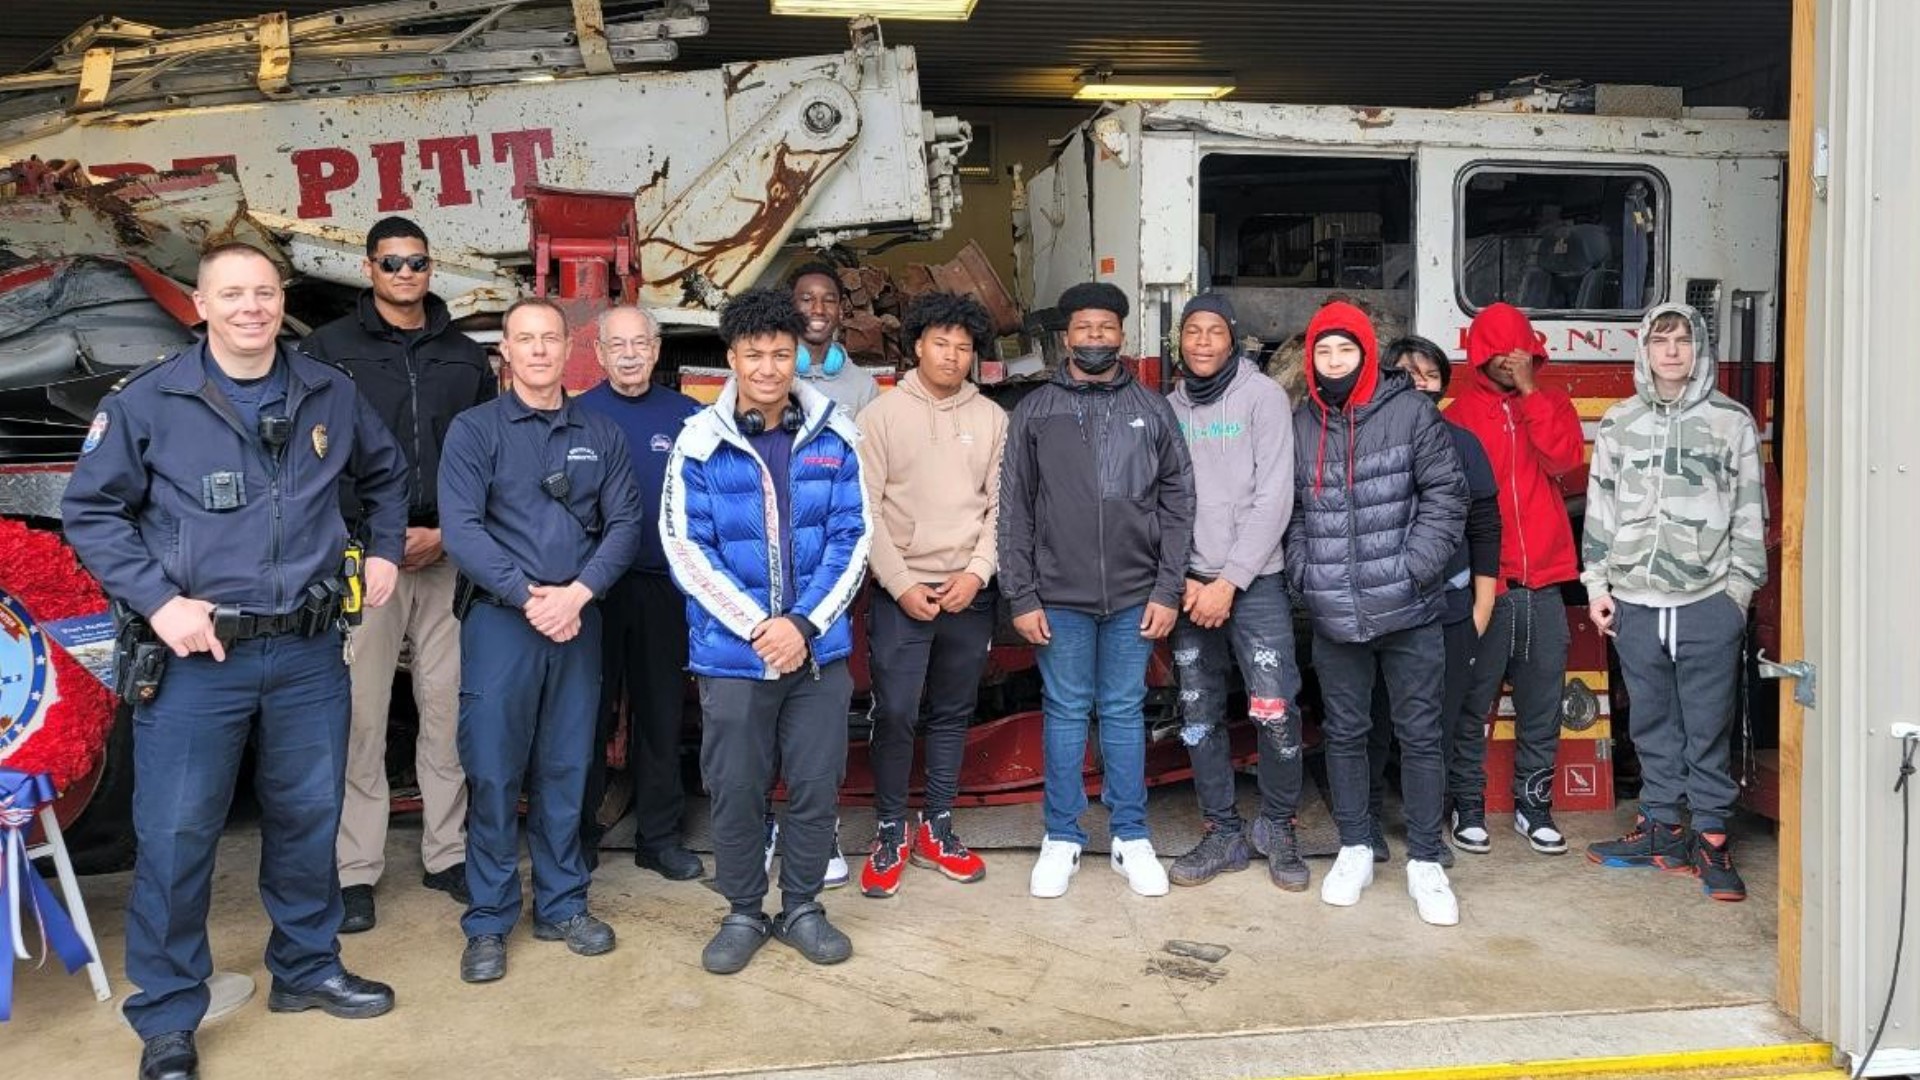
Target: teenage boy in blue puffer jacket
pixel 765 525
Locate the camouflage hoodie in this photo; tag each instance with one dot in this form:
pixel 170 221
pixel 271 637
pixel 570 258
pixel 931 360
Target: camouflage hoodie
pixel 1676 503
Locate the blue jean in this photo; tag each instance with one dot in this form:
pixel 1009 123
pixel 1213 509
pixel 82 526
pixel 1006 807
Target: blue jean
pixel 527 713
pixel 293 696
pixel 1095 665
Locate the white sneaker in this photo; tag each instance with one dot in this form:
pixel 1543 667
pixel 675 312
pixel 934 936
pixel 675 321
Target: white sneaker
pixel 1352 872
pixel 1059 861
pixel 837 872
pixel 1141 866
pixel 1432 895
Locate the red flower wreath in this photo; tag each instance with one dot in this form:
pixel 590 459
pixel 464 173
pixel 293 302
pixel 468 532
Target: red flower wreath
pixel 41 573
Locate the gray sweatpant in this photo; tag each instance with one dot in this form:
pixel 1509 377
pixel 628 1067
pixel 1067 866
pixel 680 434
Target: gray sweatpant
pixel 1682 667
pixel 747 725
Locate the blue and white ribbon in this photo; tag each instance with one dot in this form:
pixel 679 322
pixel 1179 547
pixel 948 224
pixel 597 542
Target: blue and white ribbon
pixel 21 797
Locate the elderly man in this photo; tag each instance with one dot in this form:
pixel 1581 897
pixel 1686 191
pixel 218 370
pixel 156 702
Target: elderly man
pixel 643 643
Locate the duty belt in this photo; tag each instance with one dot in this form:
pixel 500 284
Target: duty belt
pixel 231 624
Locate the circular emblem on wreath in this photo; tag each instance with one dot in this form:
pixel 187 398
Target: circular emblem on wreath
pixel 24 676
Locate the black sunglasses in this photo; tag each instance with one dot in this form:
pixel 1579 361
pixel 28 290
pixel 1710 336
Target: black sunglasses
pixel 392 263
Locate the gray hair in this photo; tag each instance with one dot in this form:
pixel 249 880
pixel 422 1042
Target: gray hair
pixel 600 324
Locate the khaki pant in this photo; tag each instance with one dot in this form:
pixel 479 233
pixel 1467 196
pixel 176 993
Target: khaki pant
pixel 421 610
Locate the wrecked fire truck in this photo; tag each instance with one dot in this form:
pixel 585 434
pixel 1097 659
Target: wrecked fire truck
pixel 518 134
pixel 1423 217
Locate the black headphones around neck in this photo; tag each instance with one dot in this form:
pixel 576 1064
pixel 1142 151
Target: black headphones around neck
pixel 751 423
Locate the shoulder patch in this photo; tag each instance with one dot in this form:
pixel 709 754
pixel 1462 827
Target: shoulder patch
pixel 95 432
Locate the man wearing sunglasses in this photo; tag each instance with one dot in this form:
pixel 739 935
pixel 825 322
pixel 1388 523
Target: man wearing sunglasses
pixel 417 372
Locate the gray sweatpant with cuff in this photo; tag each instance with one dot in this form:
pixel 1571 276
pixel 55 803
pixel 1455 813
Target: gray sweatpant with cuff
pixel 1682 667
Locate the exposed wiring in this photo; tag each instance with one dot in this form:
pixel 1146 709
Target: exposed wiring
pixel 1905 788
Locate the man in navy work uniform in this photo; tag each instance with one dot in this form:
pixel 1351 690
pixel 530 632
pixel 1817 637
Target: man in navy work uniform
pixel 417 372
pixel 764 520
pixel 539 512
pixel 207 501
pixel 644 618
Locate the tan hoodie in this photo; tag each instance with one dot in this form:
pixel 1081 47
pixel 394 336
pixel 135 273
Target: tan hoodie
pixel 932 470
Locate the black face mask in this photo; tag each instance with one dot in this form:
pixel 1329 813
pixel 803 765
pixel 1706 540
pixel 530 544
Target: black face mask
pixel 1335 392
pixel 1434 395
pixel 1095 359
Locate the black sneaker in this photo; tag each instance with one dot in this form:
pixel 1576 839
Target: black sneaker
pixel 1220 851
pixel 1468 829
pixel 1648 842
pixel 168 1057
pixel 1713 864
pixel 1285 868
pixel 1378 841
pixel 357 915
pixel 584 934
pixel 452 881
pixel 1535 822
pixel 670 861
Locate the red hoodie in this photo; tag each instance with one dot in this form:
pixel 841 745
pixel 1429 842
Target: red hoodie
pixel 1532 441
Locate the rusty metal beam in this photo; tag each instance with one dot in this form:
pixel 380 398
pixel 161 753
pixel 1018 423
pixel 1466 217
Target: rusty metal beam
pixel 276 54
pixel 590 30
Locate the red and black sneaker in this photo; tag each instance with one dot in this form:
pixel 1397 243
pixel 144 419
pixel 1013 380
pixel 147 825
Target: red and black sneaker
pixel 880 877
pixel 1648 844
pixel 935 846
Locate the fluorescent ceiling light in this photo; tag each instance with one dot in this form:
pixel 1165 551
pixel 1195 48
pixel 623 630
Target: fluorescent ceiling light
pixel 1199 86
pixel 937 10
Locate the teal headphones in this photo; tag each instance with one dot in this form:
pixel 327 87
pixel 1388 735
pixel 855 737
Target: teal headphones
pixel 836 359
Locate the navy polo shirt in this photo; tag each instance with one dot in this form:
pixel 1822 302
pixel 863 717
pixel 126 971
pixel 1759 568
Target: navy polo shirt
pixel 650 422
pixel 505 530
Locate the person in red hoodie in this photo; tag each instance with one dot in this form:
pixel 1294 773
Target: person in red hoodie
pixel 1532 437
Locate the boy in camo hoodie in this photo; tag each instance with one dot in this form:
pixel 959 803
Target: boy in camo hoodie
pixel 1675 548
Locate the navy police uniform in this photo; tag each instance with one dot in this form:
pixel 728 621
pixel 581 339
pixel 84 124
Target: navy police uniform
pixel 529 497
pixel 180 491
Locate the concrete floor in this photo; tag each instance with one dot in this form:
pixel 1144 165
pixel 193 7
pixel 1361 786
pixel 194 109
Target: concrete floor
pixel 946 969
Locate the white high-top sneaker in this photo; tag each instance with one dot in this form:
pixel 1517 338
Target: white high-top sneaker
pixel 1137 861
pixel 1432 894
pixel 1352 872
pixel 1059 861
pixel 837 872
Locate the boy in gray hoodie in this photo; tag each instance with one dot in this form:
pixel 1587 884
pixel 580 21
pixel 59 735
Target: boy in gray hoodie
pixel 1675 548
pixel 1235 609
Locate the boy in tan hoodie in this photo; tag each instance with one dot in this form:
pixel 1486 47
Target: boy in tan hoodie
pixel 930 458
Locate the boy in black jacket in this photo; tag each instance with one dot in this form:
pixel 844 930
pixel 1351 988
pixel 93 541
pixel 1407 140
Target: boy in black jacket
pixel 1379 507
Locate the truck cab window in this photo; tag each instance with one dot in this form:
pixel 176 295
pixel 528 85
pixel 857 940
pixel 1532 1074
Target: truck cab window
pixel 1564 240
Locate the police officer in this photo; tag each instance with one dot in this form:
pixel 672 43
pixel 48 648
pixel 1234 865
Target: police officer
pixel 539 512
pixel 206 501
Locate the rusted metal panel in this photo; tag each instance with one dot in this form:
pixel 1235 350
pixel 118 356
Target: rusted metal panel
pixel 164 220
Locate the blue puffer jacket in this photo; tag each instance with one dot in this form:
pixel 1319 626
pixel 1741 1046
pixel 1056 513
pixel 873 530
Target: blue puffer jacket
pixel 713 524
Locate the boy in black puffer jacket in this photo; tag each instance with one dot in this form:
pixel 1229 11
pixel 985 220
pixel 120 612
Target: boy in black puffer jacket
pixel 1379 505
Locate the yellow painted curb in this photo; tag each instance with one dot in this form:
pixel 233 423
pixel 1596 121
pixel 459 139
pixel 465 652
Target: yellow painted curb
pixel 1818 1054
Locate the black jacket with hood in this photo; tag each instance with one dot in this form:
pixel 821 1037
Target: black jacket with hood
pixel 1096 498
pixel 417 383
pixel 1380 503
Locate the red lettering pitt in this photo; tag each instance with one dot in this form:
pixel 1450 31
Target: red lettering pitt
pixel 321 172
pixel 389 158
pixel 451 156
pixel 523 151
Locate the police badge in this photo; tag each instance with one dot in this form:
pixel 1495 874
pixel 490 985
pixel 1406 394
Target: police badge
pixel 320 440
